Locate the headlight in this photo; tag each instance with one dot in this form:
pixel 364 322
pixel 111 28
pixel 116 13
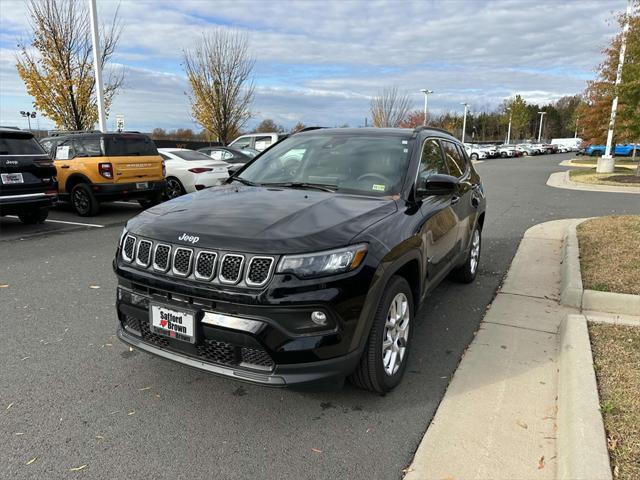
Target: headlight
pixel 323 263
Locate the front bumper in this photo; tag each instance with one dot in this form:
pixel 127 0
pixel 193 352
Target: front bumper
pixel 282 375
pixel 286 348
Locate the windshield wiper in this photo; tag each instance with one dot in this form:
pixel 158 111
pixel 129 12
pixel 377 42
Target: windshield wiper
pixel 244 181
pixel 313 186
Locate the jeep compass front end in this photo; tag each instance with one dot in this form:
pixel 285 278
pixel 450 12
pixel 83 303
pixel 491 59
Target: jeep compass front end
pixel 308 265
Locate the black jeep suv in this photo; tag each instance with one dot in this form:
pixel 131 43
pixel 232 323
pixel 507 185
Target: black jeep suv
pixel 310 263
pixel 28 185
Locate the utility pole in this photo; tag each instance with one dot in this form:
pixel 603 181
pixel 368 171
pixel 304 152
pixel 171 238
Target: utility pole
pixel 606 163
pixel 464 119
pixel 509 129
pixel 426 104
pixel 542 114
pixel 576 134
pixel 102 121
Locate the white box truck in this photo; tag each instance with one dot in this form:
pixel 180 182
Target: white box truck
pixel 572 144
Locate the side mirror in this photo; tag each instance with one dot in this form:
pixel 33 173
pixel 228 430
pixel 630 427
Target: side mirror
pixel 438 184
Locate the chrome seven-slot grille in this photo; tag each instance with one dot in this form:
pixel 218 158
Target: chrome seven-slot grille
pixel 203 265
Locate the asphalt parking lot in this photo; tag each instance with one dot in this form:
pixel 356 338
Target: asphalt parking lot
pixel 73 396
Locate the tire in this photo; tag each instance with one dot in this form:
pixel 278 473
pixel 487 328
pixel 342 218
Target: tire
pixel 503 154
pixel 33 217
pixel 150 201
pixel 525 154
pixel 469 269
pixel 473 156
pixel 377 370
pixel 173 189
pixel 84 201
pixel 594 153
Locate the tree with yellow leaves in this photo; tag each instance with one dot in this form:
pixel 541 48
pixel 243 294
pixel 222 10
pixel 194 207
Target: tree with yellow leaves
pixel 57 67
pixel 219 70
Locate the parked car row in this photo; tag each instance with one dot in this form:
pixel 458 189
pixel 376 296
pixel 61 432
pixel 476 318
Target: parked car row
pixel 620 150
pixel 90 167
pixel 481 151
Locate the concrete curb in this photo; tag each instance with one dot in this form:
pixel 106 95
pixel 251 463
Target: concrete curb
pixel 562 180
pixel 571 289
pixel 582 446
pixel 572 292
pixel 568 163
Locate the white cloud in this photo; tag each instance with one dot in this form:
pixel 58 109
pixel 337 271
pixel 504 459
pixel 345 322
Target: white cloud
pixel 320 62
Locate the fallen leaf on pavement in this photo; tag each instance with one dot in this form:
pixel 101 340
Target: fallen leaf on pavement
pixel 4 285
pixel 76 469
pixel 612 443
pixel 144 388
pixel 25 358
pixel 10 405
pixel 99 437
pixel 132 412
pixel 541 463
pixel 19 433
pixel 317 450
pixel 32 460
pixel 94 286
pixel 522 424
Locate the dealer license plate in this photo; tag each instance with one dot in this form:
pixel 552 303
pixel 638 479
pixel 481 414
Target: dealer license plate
pixel 8 178
pixel 172 323
pixel 142 185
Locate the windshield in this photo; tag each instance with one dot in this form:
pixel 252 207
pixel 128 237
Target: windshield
pixel 191 155
pixel 19 144
pixel 361 164
pixel 128 145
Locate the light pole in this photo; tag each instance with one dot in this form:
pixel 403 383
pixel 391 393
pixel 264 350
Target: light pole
pixel 509 129
pixel 29 116
pixel 542 114
pixel 426 104
pixel 102 121
pixel 606 163
pixel 464 119
pixel 576 134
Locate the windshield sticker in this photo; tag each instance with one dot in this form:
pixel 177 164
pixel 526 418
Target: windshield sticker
pixel 379 188
pixel 404 142
pixel 406 150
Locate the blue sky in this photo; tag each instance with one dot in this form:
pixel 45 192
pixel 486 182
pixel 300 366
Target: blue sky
pixel 320 62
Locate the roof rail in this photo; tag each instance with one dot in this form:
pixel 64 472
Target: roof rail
pixel 423 127
pixel 308 129
pixel 9 127
pixel 58 133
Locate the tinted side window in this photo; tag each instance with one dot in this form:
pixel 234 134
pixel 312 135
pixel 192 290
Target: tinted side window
pixel 432 161
pixel 87 147
pixel 454 158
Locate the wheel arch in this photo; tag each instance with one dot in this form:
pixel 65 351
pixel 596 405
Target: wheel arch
pixel 74 179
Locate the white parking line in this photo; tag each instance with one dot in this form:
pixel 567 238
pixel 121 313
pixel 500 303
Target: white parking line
pixel 67 223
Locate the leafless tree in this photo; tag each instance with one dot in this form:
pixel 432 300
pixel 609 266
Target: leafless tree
pixel 389 108
pixel 219 70
pixel 57 68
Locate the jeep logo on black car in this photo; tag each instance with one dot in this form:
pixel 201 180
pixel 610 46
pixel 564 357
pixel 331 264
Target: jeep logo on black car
pixel 188 238
pixel 314 258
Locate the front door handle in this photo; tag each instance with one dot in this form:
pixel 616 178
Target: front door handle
pixel 64 166
pixel 455 199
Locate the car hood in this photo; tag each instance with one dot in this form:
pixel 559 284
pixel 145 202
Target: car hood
pixel 262 220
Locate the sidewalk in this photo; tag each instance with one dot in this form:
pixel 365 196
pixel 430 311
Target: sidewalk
pixel 497 419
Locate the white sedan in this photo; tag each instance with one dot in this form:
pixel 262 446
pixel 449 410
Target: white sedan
pixel 189 171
